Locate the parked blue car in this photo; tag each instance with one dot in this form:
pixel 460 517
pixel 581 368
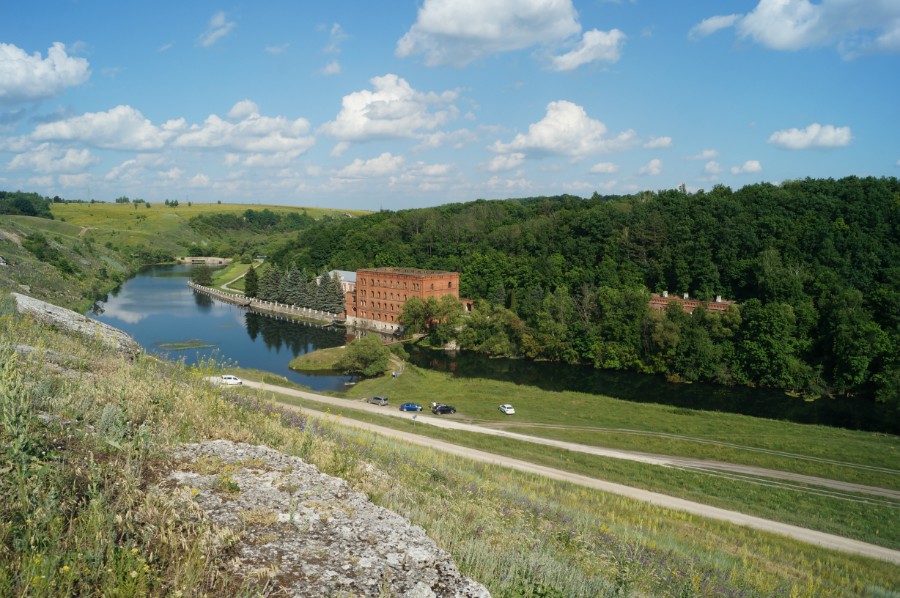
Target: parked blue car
pixel 410 407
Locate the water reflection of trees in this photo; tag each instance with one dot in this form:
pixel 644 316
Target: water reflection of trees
pixel 296 337
pixel 640 388
pixel 204 302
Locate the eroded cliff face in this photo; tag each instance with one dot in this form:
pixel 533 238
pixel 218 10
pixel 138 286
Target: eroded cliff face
pixel 300 532
pixel 71 321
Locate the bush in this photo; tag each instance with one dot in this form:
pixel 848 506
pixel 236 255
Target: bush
pixel 366 356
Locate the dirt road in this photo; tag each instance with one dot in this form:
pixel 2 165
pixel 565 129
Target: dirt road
pixel 822 539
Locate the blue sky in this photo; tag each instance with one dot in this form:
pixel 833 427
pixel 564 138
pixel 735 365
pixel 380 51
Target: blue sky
pixel 399 104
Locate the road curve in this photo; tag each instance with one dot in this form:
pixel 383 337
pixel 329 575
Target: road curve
pixel 825 540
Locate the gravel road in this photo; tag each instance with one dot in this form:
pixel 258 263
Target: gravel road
pixel 822 539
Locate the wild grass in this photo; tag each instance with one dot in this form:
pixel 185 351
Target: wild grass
pixel 852 456
pixel 862 517
pixel 82 452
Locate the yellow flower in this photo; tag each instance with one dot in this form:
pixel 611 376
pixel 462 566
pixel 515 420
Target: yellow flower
pixel 64 568
pixel 134 551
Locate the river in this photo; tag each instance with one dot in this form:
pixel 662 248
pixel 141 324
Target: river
pixel 157 308
pixel 166 317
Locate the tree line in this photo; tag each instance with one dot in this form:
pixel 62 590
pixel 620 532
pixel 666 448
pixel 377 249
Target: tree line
pixel 294 286
pixel 814 265
pixel 19 203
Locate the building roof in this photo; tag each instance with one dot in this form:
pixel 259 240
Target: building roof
pixel 406 271
pixel 345 275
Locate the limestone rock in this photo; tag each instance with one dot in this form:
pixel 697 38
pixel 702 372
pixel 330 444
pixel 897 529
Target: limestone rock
pixel 67 319
pixel 308 534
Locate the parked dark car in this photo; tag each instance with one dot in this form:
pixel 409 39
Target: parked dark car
pixel 378 400
pixel 410 407
pixel 442 409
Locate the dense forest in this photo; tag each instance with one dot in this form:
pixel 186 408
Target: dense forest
pixel 813 264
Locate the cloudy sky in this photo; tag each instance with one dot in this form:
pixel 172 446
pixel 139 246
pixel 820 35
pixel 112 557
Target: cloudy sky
pixel 408 103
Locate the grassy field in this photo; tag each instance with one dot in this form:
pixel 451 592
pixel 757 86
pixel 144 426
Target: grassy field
pixel 862 517
pixel 76 516
pixel 128 227
pixel 834 453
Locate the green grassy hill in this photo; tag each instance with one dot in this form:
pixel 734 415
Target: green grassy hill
pixel 54 261
pixel 90 248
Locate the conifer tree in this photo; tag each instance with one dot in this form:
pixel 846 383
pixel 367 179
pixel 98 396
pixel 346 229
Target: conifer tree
pixel 251 283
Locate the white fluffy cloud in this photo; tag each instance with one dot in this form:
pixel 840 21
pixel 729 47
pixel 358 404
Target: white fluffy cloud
pixel 604 168
pixel 391 110
pixel 218 28
pixel 383 165
pixel 813 136
pixel 25 78
pixel 47 158
pixel 595 46
pixel 122 128
pixel 250 132
pixel 653 167
pixel 565 130
pixel 852 26
pixel 748 167
pixel 712 167
pixel 658 143
pixel 706 154
pixel 457 32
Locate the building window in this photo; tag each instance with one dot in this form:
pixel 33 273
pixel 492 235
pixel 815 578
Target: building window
pixel 449 284
pixel 432 286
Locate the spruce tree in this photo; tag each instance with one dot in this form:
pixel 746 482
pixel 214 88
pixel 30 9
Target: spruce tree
pixel 251 283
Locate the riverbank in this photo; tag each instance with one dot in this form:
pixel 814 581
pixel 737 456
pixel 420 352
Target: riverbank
pixel 270 307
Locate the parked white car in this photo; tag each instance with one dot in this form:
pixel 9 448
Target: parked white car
pixel 231 380
pixel 507 409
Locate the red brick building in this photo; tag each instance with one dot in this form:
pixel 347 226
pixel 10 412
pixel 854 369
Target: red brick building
pixel 660 302
pixel 379 293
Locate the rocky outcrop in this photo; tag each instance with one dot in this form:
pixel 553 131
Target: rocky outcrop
pixel 309 533
pixel 67 319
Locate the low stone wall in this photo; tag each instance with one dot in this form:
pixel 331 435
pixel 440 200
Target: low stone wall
pixel 375 325
pixel 208 260
pixel 272 307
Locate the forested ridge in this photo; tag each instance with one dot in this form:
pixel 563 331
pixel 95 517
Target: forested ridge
pixel 814 265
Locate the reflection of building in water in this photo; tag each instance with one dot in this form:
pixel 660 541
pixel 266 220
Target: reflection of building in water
pixel 660 302
pixel 375 296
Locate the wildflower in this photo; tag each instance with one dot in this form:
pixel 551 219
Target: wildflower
pixel 64 569
pixel 133 574
pixel 134 551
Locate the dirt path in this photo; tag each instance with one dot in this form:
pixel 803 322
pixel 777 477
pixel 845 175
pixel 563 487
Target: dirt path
pixel 822 539
pixel 227 285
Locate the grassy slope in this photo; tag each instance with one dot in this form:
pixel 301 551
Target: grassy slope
pixel 76 517
pixel 97 268
pixel 852 456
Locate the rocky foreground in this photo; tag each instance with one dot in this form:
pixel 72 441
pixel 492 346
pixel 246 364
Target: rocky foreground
pixel 300 532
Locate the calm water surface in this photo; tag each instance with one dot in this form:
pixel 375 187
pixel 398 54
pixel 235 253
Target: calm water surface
pixel 157 308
